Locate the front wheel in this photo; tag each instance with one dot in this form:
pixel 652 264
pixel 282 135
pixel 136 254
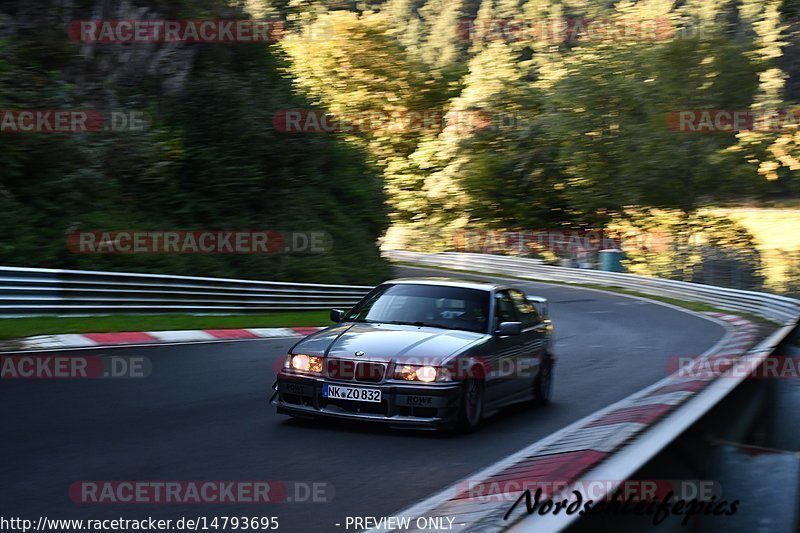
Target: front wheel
pixel 471 410
pixel 543 382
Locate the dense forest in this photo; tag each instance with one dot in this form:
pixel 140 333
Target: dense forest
pixel 573 129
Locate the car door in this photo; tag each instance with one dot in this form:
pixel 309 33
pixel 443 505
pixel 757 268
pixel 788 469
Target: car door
pixel 505 350
pixel 532 342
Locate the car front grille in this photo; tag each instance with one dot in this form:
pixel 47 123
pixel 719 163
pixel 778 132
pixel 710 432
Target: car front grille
pixel 370 372
pixel 350 370
pixel 341 369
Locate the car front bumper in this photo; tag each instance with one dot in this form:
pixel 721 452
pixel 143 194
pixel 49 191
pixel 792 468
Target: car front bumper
pixel 418 405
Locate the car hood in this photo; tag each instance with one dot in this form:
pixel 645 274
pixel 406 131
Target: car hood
pixel 384 342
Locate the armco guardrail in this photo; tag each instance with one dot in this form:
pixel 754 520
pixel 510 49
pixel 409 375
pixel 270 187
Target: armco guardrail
pixel 773 307
pixel 690 426
pixel 720 412
pixel 39 291
pixel 729 412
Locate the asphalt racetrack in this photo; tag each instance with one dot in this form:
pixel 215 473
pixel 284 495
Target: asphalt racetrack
pixel 202 414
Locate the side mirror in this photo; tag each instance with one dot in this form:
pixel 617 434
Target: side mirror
pixel 509 328
pixel 337 315
pixel 541 304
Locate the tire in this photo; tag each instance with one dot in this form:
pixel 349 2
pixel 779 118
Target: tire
pixel 543 382
pixel 470 412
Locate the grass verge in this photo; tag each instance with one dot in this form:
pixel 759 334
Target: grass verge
pixel 14 328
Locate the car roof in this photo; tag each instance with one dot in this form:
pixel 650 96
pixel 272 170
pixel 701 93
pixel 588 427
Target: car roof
pixel 448 282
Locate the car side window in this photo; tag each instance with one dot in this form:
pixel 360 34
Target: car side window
pixel 504 308
pixel 525 310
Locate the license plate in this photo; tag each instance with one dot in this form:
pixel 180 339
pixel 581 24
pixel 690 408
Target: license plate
pixel 351 393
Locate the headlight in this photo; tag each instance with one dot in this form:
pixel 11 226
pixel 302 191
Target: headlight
pixel 426 374
pixel 304 363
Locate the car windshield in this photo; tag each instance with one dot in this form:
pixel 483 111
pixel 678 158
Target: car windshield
pixel 425 305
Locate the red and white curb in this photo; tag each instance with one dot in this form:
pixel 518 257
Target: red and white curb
pixel 479 502
pixel 91 340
